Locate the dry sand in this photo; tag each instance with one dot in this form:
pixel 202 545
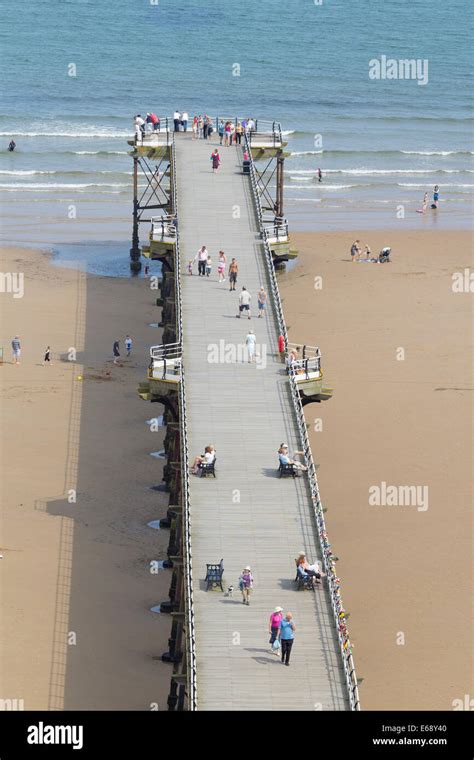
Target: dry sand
pixel 405 573
pixel 79 570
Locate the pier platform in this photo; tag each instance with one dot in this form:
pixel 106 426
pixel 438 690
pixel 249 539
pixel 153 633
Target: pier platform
pixel 247 515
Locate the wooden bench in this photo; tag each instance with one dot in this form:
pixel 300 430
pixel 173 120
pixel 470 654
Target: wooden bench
pixel 207 468
pixel 287 470
pixel 214 575
pixel 302 581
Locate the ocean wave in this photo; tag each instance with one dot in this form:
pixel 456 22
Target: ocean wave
pixel 128 135
pixel 363 171
pixel 383 152
pixel 97 152
pixel 24 173
pixel 309 152
pixel 286 132
pixel 446 184
pixel 58 185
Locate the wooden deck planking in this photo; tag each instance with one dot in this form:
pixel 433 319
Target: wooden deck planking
pixel 246 413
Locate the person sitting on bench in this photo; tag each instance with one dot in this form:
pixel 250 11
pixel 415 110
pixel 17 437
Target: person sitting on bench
pixel 311 571
pixel 206 458
pixel 284 458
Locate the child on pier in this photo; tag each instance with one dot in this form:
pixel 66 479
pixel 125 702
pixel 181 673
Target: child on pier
pixel 208 266
pixel 190 267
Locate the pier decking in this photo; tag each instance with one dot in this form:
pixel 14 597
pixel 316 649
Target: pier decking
pixel 247 515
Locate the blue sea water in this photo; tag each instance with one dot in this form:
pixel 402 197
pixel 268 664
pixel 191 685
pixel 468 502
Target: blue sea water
pixel 379 143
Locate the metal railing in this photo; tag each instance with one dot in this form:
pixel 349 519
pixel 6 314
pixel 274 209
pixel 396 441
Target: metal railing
pixel 163 226
pixel 278 230
pixel 176 350
pixel 327 554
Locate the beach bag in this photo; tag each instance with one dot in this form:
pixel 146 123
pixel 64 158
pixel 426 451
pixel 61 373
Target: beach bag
pixel 276 645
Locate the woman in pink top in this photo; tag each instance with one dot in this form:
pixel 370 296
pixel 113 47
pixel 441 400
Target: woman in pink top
pixel 221 266
pixel 274 626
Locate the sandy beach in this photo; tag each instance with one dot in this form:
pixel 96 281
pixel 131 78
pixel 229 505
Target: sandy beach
pixel 76 587
pixel 396 343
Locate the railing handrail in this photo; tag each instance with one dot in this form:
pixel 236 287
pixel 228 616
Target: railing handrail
pixel 333 581
pixel 188 564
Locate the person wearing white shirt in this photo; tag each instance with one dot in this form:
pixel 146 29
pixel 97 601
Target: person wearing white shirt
pixel 201 257
pixel 244 302
pixel 177 120
pixel 250 342
pixel 184 121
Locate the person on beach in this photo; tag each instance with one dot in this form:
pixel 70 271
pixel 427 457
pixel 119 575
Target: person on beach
pixel 435 197
pixel 128 344
pixel 233 272
pixel 313 570
pixel 246 584
pixel 11 146
pixel 184 120
pixel 274 626
pixel 16 350
pixel 116 351
pixel 201 257
pixel 216 159
pixel 208 266
pixel 47 356
pixel 261 301
pixel 286 637
pixel 244 302
pixel 425 203
pixel 221 266
pixel 355 250
pixel 320 175
pixel 206 458
pixel 368 253
pixel 285 459
pixel 176 120
pixel 250 342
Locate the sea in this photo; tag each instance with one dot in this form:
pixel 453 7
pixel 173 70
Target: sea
pixel 75 72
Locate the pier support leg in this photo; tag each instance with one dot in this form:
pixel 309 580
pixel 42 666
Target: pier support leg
pixel 280 184
pixel 135 252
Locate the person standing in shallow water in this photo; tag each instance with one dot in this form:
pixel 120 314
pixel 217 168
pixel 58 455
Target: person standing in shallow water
pixel 287 636
pixel 116 351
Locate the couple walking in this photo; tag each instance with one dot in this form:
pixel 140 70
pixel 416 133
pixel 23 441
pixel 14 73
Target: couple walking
pixel 282 634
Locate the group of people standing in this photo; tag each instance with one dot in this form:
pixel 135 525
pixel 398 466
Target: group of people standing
pixel 116 348
pixel 281 627
pixel 16 352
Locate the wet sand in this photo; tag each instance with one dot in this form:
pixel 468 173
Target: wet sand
pixel 406 573
pixel 76 586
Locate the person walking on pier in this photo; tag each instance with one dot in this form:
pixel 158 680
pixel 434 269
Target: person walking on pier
pixel 286 636
pixel 184 121
pixel 250 342
pixel 216 159
pixel 261 301
pixel 201 127
pixel 244 303
pixel 274 625
pixel 246 584
pixel 233 271
pixel 195 128
pixel 128 344
pixel 139 127
pixel 116 350
pixel 220 131
pixel 176 120
pixel 221 266
pixel 201 257
pixel 16 350
pixel 208 266
pixel 239 130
